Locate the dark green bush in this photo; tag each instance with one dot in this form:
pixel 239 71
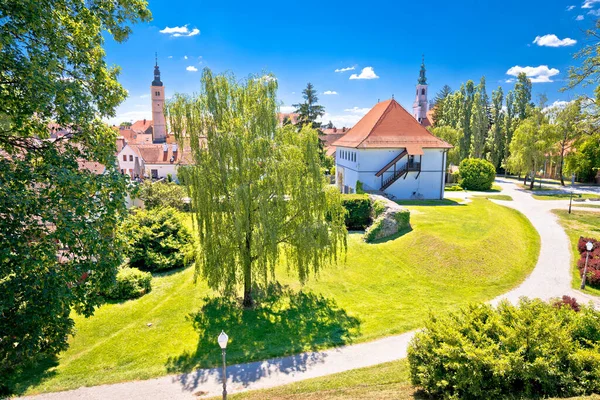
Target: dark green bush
pixel 157 240
pixel 528 351
pixel 163 194
pixel 131 283
pixel 358 211
pixel 476 174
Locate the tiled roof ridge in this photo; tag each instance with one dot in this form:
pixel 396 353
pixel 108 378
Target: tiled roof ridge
pixel 383 114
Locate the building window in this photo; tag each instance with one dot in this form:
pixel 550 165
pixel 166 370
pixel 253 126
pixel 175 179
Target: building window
pixel 154 173
pixel 124 157
pixel 423 92
pixel 130 157
pixel 157 94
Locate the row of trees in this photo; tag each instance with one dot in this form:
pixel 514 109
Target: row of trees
pixel 515 134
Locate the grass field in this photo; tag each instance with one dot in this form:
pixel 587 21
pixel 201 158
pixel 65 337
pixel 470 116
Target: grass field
pixel 389 381
pixel 576 224
pixel 455 254
pixel 562 196
pixel 503 197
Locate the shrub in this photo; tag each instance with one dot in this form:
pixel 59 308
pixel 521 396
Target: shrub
pixel 453 188
pixel 476 174
pixel 157 240
pixel 530 350
pixel 593 268
pixel 358 211
pixel 131 283
pixel 163 194
pixel 568 301
pixel 378 208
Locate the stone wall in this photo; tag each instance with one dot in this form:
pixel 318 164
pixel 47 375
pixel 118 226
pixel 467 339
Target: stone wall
pixel 391 218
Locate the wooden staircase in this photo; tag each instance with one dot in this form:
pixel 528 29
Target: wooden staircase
pixel 397 173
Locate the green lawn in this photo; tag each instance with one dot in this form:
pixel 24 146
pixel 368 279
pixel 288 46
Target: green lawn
pixel 576 224
pixel 563 196
pixel 380 382
pixel 454 255
pixel 503 197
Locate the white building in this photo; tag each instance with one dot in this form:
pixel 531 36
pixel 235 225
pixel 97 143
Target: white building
pixel 389 150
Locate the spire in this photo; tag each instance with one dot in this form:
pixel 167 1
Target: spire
pixel 156 81
pixel 422 78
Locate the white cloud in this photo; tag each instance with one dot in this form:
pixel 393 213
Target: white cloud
pixel 133 115
pixel 589 3
pixel 357 110
pixel 552 40
pixel 510 80
pixel 595 13
pixel 569 8
pixel 144 96
pixel 366 73
pixel 557 104
pixel 191 68
pixel 266 78
pixel 170 57
pixel 579 18
pixel 345 69
pixel 330 92
pixel 538 74
pixel 180 31
pixel 341 120
pixel 185 57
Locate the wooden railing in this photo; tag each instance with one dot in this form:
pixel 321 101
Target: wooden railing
pixel 385 183
pixel 392 164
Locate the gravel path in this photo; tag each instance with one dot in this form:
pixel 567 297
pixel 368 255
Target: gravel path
pixel 550 278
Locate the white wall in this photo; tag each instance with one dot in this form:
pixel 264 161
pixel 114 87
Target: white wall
pixel 127 166
pixel 163 170
pixel 370 161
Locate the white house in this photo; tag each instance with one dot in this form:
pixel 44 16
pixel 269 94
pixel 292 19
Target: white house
pixel 389 150
pixel 156 161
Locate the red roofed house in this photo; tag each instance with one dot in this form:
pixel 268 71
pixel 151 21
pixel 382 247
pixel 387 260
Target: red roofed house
pixel 389 150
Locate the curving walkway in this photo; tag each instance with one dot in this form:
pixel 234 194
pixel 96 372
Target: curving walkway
pixel 550 278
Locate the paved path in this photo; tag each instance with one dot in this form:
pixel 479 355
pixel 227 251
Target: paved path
pixel 550 278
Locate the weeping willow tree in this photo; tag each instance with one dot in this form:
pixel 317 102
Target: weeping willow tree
pixel 257 190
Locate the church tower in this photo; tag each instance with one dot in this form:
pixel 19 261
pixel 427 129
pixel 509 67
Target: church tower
pixel 421 105
pixel 159 131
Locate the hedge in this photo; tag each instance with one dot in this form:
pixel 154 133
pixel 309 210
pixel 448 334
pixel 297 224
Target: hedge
pixel 531 350
pixel 476 174
pixel 131 283
pixel 358 211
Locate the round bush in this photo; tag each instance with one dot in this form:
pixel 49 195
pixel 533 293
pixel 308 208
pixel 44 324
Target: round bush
pixel 531 350
pixel 157 240
pixel 131 283
pixel 476 174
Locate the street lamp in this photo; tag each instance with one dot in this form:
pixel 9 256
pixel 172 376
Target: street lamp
pixel 588 246
pixel 223 338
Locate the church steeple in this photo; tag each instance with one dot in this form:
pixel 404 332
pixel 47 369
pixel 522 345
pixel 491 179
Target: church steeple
pixel 422 78
pixel 156 81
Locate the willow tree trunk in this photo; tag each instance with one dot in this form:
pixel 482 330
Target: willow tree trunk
pixel 248 301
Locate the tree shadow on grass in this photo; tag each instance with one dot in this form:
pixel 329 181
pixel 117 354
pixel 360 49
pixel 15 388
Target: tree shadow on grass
pixel 17 382
pixel 395 236
pixel 283 322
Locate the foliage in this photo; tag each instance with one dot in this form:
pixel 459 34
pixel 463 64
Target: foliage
pixel 452 136
pixel 259 191
pixel 157 240
pixel 497 135
pixel 58 220
pixel 585 162
pixel 532 140
pixel 163 194
pixel 476 174
pixel 378 207
pixel 567 121
pixel 593 266
pixel 522 94
pixel 131 283
pixel 454 188
pixel 530 350
pixel 401 222
pixel 358 211
pixel 359 188
pixel 468 94
pixel 310 110
pixel 567 301
pixel 480 122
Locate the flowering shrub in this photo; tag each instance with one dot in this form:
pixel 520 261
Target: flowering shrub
pixel 593 268
pixel 567 301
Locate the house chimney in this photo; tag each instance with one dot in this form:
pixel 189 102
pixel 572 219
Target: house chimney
pixel 165 147
pixel 334 129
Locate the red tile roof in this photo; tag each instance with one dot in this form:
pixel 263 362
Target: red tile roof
pixel 155 154
pixel 142 125
pixel 389 125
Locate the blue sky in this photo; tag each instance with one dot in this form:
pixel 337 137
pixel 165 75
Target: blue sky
pixel 306 41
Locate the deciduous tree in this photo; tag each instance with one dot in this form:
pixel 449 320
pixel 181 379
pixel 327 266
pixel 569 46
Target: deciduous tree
pixel 257 190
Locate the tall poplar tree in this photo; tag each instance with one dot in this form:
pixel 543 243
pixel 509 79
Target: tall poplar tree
pixel 468 94
pixel 480 122
pixel 522 95
pixel 510 123
pixel 496 139
pixel 257 190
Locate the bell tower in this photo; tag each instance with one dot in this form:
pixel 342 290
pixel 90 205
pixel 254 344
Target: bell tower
pixel 157 94
pixel 421 105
